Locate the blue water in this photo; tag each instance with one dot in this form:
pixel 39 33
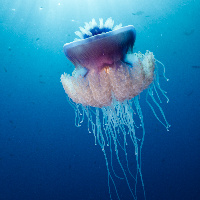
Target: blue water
pixel 42 154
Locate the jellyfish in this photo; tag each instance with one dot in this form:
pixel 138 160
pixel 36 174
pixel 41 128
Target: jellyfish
pixel 105 89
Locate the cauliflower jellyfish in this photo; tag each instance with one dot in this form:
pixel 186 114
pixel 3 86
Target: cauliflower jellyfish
pixel 105 88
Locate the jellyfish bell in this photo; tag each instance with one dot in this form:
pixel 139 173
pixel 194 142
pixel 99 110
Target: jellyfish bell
pixel 100 50
pixel 104 88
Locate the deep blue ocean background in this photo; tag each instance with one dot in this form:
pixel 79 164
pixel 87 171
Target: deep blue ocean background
pixel 43 156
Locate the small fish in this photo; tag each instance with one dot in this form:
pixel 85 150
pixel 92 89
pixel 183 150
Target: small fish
pixel 188 32
pixel 5 69
pixel 74 21
pixel 138 13
pixel 196 66
pixel 188 93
